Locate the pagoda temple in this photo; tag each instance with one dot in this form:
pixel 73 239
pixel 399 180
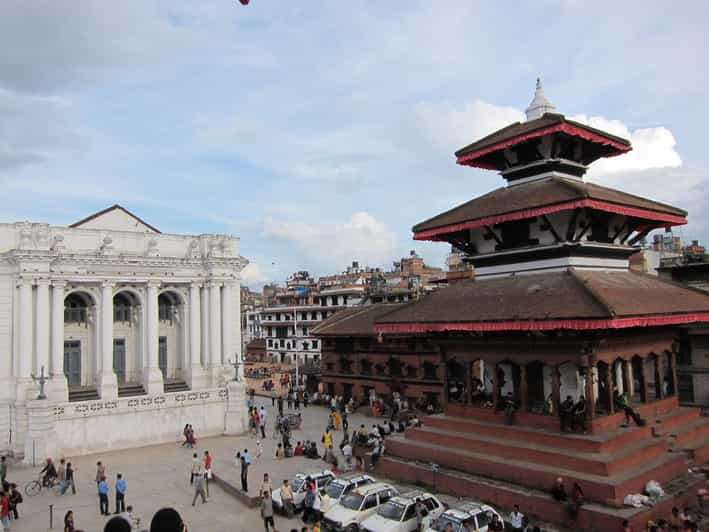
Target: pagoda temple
pixel 553 311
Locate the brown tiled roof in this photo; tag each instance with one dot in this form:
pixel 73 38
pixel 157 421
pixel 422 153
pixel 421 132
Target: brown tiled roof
pixel 568 295
pixel 112 208
pixel 354 321
pixel 540 193
pixel 522 128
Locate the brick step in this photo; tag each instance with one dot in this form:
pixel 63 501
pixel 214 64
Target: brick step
pixel 603 464
pixel 694 430
pixel 83 394
pixel 130 390
pixel 698 451
pixel 541 476
pixel 606 442
pixel 591 517
pixel 171 386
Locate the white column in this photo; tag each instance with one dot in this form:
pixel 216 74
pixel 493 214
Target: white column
pixel 204 326
pixel 42 327
pixel 152 376
pixel 215 333
pixel 238 345
pixel 228 352
pixel 108 384
pixel 25 330
pixel 59 384
pixel 194 369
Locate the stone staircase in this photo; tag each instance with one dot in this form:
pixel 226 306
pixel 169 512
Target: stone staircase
pixel 130 389
pixel 83 393
pixel 175 385
pixel 514 464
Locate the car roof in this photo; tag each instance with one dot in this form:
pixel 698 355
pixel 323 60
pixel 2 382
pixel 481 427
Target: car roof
pixel 411 496
pixel 367 489
pixel 316 474
pixel 352 478
pixel 468 508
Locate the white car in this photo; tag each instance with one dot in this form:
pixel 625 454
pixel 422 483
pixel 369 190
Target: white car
pixel 321 478
pixel 355 507
pixel 474 515
pixel 336 490
pixel 399 513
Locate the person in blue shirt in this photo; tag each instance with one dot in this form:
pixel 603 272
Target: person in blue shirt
pixel 103 496
pixel 120 494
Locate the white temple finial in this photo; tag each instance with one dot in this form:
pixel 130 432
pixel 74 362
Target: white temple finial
pixel 540 104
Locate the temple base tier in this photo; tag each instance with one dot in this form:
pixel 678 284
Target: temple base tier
pixel 480 456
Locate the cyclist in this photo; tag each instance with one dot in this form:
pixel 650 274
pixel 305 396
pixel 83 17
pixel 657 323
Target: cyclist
pixel 48 473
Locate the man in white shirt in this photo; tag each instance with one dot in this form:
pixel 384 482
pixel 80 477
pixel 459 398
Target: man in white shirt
pixel 262 421
pixel 517 520
pixel 347 453
pixel 128 516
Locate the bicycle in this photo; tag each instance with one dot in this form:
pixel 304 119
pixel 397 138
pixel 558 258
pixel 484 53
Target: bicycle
pixel 33 487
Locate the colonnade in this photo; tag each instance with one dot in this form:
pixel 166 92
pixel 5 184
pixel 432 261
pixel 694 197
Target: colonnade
pixel 39 330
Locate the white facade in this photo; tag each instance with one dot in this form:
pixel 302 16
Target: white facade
pixel 136 327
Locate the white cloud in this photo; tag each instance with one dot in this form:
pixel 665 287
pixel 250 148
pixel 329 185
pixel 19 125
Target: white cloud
pixel 253 274
pixel 331 246
pixel 653 147
pixel 449 127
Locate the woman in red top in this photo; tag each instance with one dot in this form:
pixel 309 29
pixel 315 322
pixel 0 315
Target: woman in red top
pixel 207 470
pixel 5 510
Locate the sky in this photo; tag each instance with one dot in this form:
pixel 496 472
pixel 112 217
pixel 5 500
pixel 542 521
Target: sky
pixel 320 132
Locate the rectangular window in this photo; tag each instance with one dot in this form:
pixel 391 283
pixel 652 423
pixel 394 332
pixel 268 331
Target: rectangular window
pixel 315 344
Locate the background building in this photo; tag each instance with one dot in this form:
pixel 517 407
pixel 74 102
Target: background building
pixel 136 330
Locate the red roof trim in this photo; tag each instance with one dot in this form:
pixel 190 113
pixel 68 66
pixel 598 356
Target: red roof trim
pixel 543 325
pixel 469 159
pixel 665 218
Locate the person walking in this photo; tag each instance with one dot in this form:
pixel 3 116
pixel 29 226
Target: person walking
pixel 3 470
pixel 287 498
pixel 267 511
pixel 207 470
pixel 259 450
pixel 186 434
pixel 15 499
pixel 517 520
pixel 69 521
pixel 245 463
pixel 194 470
pixel 69 476
pixel 61 476
pixel 103 496
pixel 262 421
pixel 5 510
pixel 100 471
pixel 121 487
pixel 199 486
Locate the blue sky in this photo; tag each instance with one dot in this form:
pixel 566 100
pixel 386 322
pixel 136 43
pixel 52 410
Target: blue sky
pixel 319 132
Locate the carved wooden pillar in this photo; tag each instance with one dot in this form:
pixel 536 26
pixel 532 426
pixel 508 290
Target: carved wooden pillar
pixel 590 396
pixel 673 371
pixel 609 388
pixel 556 388
pixel 659 376
pixel 495 386
pixel 523 387
pixel 643 380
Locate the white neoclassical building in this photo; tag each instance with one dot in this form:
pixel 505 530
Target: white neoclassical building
pixel 136 331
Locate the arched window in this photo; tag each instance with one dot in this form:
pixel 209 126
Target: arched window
pixel 121 308
pixel 166 308
pixel 75 309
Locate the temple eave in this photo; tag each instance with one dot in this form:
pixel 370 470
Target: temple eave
pixel 544 325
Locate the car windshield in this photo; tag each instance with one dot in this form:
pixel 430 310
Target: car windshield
pixel 335 489
pixel 392 510
pixel 353 501
pixel 443 521
pixel 298 483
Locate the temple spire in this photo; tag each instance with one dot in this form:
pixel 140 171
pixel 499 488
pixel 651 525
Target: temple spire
pixel 540 104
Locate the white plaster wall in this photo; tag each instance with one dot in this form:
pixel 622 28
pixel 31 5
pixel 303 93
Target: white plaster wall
pixel 171 330
pixel 569 381
pixel 7 287
pixel 133 422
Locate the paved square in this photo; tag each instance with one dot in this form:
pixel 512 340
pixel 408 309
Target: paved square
pixel 158 476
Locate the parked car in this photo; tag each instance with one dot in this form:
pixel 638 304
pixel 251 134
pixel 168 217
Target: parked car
pixel 342 486
pixel 321 478
pixel 356 506
pixel 399 513
pixel 476 515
